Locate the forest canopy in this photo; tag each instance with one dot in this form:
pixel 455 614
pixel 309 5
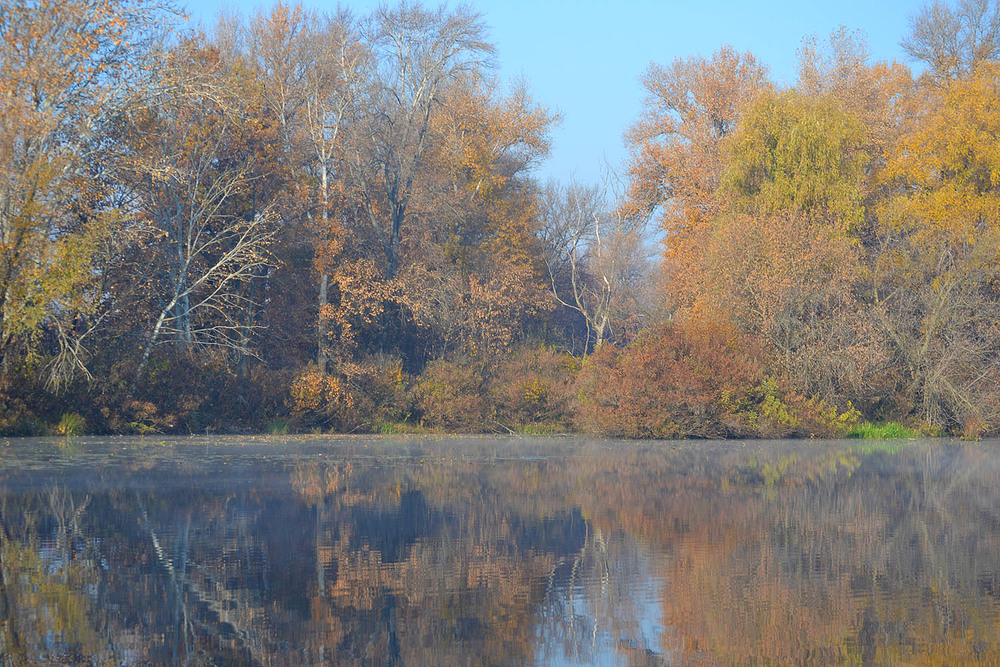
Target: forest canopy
pixel 335 222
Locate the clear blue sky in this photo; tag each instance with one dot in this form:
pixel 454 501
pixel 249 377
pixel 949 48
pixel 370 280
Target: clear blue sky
pixel 584 58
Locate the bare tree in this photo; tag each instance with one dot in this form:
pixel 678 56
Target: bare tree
pixel 942 321
pixel 952 42
pixel 418 52
pixel 595 254
pixel 189 173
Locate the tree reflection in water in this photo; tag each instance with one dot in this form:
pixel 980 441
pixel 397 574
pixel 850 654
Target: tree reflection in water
pixel 497 551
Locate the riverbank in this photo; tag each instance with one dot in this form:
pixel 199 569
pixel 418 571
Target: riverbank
pixel 672 382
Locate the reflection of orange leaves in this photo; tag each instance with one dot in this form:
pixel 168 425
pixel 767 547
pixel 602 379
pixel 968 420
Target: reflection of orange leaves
pixel 752 610
pixel 313 482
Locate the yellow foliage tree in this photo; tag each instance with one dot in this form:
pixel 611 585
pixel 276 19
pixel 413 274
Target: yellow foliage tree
pixel 937 265
pixel 64 69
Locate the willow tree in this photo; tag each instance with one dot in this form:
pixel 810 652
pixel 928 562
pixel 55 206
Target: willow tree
pixel 784 258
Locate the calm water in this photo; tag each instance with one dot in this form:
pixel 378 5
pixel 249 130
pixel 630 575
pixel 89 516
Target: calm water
pixel 291 551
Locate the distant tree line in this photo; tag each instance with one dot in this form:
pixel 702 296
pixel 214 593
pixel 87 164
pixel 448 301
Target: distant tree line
pixel 333 222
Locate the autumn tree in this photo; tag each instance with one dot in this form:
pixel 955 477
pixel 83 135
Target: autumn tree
pixel 472 218
pixel 488 140
pixel 475 218
pixel 677 159
pixel 65 72
pixel 789 281
pixel 691 106
pixel 311 69
pixel 338 71
pixel 839 70
pixel 366 102
pixel 797 153
pixel 937 265
pixel 418 52
pixel 785 261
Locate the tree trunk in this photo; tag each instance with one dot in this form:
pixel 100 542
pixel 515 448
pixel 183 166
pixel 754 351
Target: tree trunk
pixel 182 306
pixel 324 280
pixel 321 355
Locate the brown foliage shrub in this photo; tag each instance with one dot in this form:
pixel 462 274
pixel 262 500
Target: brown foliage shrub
pixel 16 418
pixel 173 394
pixel 357 396
pixel 697 380
pixel 267 395
pixel 535 387
pixel 140 417
pixel 325 400
pixel 183 392
pixel 198 391
pixel 450 395
pixel 379 386
pixel 673 382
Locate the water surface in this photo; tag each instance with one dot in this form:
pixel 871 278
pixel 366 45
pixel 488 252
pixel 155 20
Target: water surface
pixel 415 551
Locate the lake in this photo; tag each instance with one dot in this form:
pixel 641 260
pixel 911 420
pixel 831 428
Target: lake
pixel 309 550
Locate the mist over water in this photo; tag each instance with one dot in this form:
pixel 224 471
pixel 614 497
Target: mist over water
pixel 411 551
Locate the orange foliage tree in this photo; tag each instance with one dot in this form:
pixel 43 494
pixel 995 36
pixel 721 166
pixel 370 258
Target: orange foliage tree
pixel 677 158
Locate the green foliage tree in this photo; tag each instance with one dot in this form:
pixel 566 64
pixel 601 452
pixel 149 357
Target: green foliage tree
pixel 797 153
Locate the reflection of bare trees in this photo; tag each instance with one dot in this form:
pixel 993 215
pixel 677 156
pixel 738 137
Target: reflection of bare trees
pixel 217 611
pixel 43 583
pixel 596 602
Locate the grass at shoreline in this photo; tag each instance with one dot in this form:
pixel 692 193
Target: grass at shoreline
pixel 886 431
pixel 73 425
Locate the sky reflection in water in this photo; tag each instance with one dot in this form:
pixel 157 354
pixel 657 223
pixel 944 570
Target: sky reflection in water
pixel 315 550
